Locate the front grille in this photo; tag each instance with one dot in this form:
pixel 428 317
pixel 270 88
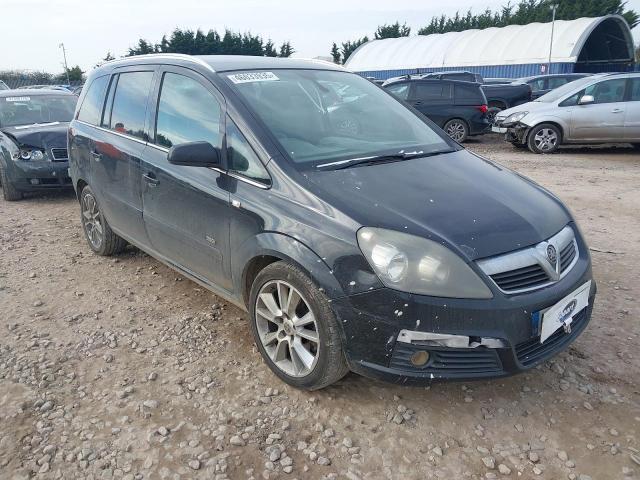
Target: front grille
pixel 447 361
pixel 531 352
pixel 533 267
pixel 521 278
pixel 567 254
pixel 59 154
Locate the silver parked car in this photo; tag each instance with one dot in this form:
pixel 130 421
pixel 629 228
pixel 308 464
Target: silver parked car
pixel 597 109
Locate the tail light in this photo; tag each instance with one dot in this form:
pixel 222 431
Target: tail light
pixel 483 108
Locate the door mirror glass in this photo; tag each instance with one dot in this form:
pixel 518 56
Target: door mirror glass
pixel 586 100
pixel 195 154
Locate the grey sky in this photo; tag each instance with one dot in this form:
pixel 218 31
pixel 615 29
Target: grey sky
pixel 32 29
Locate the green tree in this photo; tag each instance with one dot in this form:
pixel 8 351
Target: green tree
pixel 142 48
pixel 394 30
pixel 349 47
pixel 286 50
pixel 211 43
pixel 528 11
pixel 270 49
pixel 75 75
pixel 335 53
pixel 108 57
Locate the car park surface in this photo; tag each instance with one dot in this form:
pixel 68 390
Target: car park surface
pixel 129 367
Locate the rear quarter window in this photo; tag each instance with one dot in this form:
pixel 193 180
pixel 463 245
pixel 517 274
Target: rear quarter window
pixel 432 91
pixel 91 108
pixel 468 95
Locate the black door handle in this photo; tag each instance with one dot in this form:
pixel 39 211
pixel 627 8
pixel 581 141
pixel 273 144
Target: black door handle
pixel 151 180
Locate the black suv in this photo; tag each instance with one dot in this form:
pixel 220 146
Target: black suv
pixel 459 108
pixel 33 140
pixel 356 234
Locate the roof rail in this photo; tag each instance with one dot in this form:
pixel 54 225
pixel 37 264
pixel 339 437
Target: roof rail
pixel 175 56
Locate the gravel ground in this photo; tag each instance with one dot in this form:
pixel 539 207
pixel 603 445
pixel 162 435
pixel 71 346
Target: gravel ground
pixel 121 368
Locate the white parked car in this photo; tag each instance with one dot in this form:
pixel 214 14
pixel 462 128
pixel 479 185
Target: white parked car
pixel 597 109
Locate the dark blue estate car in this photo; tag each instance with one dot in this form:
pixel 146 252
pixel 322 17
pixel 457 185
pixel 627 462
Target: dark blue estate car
pixel 33 140
pixel 355 233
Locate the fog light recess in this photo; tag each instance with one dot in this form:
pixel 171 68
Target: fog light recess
pixel 420 358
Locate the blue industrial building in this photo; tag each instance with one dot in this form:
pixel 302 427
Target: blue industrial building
pixel 581 45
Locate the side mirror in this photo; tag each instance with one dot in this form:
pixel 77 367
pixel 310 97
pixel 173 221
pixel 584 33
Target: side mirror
pixel 586 100
pixel 195 154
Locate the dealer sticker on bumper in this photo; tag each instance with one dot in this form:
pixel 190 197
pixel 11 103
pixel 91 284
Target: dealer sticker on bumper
pixel 562 313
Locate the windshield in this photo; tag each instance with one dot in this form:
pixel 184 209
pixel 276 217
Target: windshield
pixel 323 116
pixel 27 110
pixel 565 89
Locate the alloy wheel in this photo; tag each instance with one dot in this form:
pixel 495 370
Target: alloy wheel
pixel 287 328
pixel 92 220
pixel 456 131
pixel 545 139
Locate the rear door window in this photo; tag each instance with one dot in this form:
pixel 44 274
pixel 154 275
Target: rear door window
pixel 468 95
pixel 439 92
pixel 538 84
pixel 91 109
pixel 555 82
pixel 187 112
pixel 130 103
pixel 400 90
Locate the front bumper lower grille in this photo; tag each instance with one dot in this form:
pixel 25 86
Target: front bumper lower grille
pixel 449 362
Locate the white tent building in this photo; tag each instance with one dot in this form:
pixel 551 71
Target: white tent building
pixel 581 45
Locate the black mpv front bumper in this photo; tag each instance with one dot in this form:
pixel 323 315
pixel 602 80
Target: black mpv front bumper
pixel 372 322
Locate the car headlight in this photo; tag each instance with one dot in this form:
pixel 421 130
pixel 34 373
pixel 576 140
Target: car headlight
pixel 30 154
pixel 515 117
pixel 416 265
pixel 37 155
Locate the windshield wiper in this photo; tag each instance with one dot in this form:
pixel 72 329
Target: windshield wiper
pixel 386 158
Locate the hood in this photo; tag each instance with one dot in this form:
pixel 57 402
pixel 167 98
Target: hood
pixel 479 207
pixel 526 107
pixel 43 136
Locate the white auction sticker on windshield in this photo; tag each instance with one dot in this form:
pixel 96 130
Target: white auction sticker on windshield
pixel 18 99
pixel 253 77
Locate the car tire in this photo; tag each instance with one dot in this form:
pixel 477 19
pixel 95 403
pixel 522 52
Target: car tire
pixel 101 239
pixel 544 138
pixel 9 192
pixel 302 344
pixel 457 129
